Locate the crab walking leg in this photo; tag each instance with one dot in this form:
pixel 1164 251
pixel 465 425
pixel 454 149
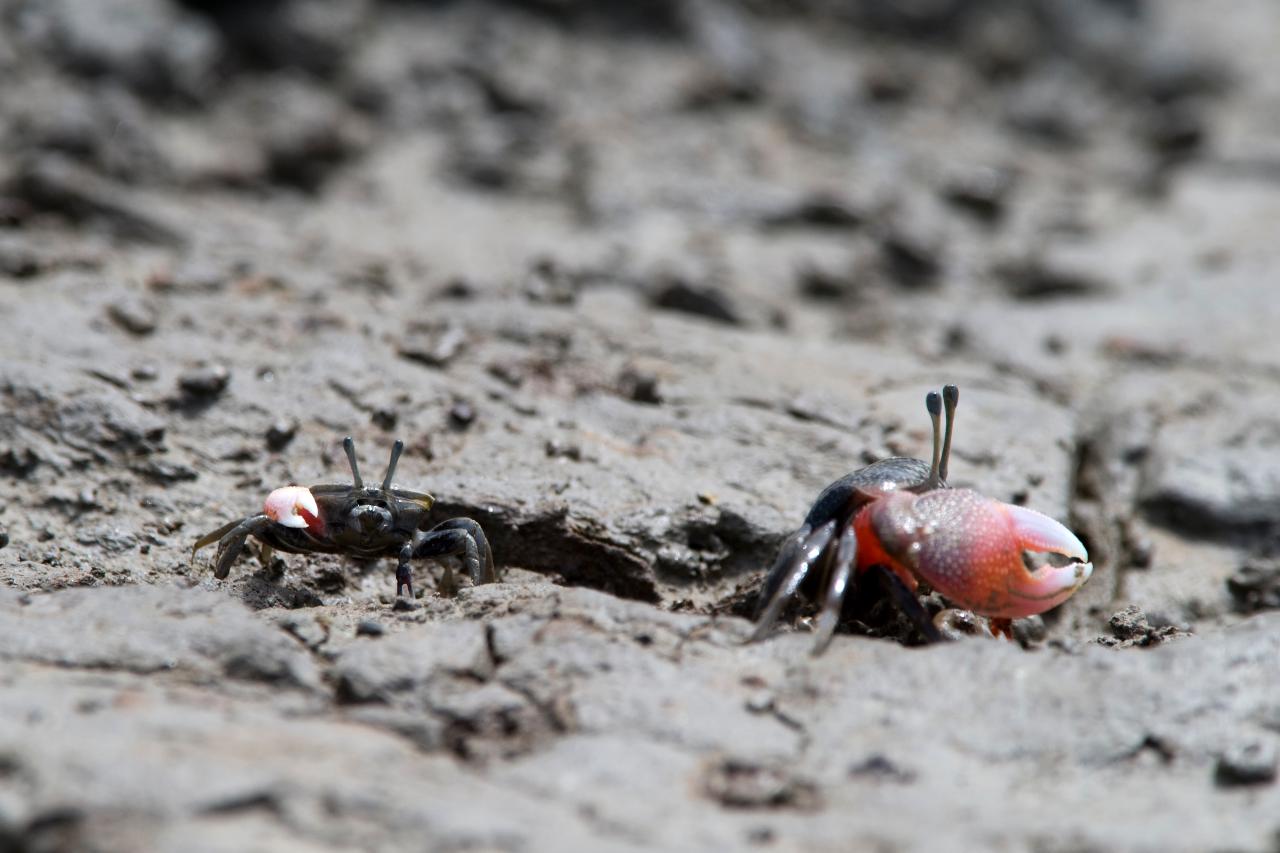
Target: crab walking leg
pixel 778 571
pixel 230 545
pixel 833 597
pixel 906 601
pixel 487 573
pixel 404 572
pixel 458 537
pixel 811 550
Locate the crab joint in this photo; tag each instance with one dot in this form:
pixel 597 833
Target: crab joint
pixel 293 506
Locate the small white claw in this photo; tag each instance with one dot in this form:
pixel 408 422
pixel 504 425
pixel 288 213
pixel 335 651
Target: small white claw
pixel 282 505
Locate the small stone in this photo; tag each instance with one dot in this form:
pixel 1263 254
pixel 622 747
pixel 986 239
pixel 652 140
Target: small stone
pixel 1256 585
pixel 280 433
pixel 1048 277
pixel 433 345
pixel 1030 631
pixel 743 784
pixel 384 417
pixel 1175 131
pixel 1250 763
pixel 639 386
pixel 370 628
pixel 703 300
pixel 461 415
pixel 405 605
pixel 556 449
pixel 819 210
pixel 1129 623
pixel 982 192
pixel 145 372
pixel 913 256
pixel 135 316
pixel 205 382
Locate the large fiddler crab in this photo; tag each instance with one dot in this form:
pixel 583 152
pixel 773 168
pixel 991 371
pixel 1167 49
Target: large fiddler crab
pixel 898 523
pixel 359 521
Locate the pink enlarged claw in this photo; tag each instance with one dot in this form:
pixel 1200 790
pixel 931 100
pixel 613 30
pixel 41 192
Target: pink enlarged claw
pixel 993 558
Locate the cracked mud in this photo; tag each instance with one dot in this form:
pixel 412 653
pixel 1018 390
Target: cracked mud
pixel 633 282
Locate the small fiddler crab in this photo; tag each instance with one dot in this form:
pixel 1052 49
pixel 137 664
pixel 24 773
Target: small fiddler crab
pixel 896 522
pixel 358 521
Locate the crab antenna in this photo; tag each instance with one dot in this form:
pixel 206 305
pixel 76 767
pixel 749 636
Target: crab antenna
pixel 933 403
pixel 350 446
pixel 396 450
pixel 950 396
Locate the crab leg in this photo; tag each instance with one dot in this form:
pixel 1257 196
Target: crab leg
pixel 233 537
pixel 833 596
pixel 906 601
pixel 459 536
pixel 404 572
pixel 792 572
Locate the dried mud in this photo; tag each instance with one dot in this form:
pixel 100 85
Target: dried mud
pixel 633 282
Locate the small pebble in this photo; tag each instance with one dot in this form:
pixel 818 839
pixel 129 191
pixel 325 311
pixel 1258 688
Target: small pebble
pixel 461 415
pixel 280 433
pixel 405 604
pixel 384 418
pixel 208 381
pixel 370 628
pixel 133 315
pixel 1251 763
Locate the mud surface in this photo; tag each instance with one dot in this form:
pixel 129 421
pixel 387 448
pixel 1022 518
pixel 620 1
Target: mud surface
pixel 633 282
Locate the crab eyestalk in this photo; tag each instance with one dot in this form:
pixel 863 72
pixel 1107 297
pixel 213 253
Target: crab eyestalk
pixel 349 446
pixel 941 443
pixel 396 450
pixel 950 398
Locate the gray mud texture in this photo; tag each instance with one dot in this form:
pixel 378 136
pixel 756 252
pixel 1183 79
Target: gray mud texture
pixel 633 282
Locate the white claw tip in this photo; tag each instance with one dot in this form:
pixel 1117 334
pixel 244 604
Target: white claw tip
pixel 290 506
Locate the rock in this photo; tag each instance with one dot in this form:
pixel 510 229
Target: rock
pixel 151 629
pixel 1215 469
pixel 1050 276
pixel 156 47
pixel 55 185
pixel 982 192
pixel 815 210
pixel 703 300
pixel 205 382
pixel 280 434
pixel 135 316
pixel 1256 585
pixel 1247 763
pixel 433 344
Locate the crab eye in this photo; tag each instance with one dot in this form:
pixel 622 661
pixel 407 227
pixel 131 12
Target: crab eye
pixel 291 506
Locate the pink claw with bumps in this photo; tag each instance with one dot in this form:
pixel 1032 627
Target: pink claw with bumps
pixel 897 523
pixel 993 558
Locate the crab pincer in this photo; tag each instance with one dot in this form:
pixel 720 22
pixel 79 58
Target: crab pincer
pixel 898 523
